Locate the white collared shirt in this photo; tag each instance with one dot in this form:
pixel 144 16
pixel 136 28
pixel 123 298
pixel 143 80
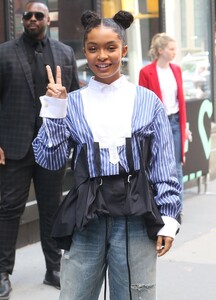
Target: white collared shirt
pixel 108 110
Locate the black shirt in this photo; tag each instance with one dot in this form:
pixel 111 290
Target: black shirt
pixel 40 80
pixel 31 46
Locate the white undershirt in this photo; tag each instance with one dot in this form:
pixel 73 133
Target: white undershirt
pixel 108 110
pixel 168 87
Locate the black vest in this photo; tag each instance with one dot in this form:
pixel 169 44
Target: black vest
pixel 126 194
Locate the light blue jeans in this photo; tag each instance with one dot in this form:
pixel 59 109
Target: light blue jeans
pixel 175 126
pixel 103 244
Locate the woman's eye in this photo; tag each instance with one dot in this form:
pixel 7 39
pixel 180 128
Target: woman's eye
pixel 111 48
pixel 92 49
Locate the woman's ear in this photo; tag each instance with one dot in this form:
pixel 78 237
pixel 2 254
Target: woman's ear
pixel 124 50
pixel 160 50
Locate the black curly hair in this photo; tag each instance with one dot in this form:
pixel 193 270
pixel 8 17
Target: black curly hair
pixel 119 23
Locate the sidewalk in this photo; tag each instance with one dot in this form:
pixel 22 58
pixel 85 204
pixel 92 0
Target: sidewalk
pixel 187 272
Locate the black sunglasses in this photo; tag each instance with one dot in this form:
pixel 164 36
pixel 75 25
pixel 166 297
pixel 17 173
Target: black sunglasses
pixel 27 15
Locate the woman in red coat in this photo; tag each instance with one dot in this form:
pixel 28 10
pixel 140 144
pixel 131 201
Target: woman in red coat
pixel 165 79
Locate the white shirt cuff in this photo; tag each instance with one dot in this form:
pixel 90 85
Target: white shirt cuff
pixel 170 227
pixel 53 108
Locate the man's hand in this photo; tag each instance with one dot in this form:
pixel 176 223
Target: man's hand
pixel 55 89
pixel 2 157
pixel 164 243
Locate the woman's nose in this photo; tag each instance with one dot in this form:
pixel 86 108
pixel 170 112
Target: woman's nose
pixel 102 55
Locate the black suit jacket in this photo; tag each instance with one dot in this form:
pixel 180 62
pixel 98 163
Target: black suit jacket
pixel 18 110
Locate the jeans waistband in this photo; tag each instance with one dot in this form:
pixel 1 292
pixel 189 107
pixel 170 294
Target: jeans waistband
pixel 173 115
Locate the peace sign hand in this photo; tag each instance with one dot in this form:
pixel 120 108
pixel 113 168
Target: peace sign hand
pixel 55 89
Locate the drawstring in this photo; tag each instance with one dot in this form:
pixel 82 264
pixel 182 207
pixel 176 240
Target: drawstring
pixel 127 256
pixel 105 276
pixel 97 163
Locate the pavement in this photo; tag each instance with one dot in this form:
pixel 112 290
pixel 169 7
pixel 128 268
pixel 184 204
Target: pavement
pixel 186 272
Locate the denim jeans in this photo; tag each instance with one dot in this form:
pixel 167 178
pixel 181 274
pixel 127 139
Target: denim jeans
pixel 175 126
pixel 103 245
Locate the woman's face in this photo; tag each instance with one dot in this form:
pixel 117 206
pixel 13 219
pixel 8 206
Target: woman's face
pixel 104 51
pixel 169 52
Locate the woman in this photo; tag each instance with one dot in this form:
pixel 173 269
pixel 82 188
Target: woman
pixel 165 79
pixel 110 220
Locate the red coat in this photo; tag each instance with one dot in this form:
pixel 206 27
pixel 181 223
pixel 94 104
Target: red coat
pixel 148 78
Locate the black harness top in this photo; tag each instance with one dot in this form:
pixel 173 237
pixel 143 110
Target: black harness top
pixel 126 194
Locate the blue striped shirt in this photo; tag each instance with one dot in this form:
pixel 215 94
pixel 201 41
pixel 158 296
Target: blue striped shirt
pixel 53 144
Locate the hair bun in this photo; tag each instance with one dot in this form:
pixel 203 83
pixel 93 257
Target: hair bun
pixel 89 17
pixel 123 18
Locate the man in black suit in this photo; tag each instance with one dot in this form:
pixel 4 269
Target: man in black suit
pixel 22 81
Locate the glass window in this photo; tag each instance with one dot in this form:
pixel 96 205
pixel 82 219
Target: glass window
pixel 192 32
pixel 53 5
pixel 189 22
pixel 66 27
pixel 110 7
pixel 146 24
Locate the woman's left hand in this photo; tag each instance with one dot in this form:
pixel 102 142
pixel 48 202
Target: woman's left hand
pixel 55 89
pixel 189 135
pixel 164 243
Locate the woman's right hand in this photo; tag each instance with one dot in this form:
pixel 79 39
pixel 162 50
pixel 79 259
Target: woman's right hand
pixel 55 89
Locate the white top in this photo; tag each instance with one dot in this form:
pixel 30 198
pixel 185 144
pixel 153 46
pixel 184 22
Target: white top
pixel 168 87
pixel 108 110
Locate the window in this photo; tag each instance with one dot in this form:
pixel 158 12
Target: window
pixel 192 33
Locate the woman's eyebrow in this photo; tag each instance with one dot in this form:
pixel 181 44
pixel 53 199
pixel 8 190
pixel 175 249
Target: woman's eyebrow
pixel 94 43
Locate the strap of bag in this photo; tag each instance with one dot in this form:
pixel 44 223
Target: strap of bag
pixel 144 151
pixel 97 159
pixel 129 155
pixel 74 156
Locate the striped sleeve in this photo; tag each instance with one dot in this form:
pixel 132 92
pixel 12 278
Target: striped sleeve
pixel 51 147
pixel 162 168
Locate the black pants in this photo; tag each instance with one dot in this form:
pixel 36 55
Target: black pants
pixel 15 180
